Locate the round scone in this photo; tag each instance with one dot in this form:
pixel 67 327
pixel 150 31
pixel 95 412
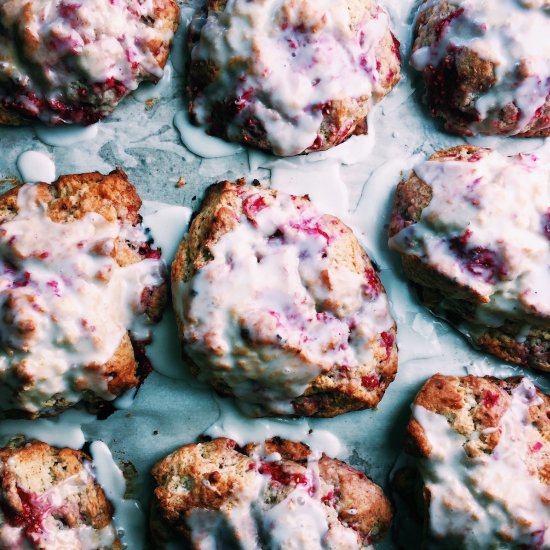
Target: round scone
pixel 473 230
pixel 278 305
pixel 49 499
pixel 289 76
pixel 484 462
pixel 79 285
pixel 69 61
pixel 486 65
pixel 277 494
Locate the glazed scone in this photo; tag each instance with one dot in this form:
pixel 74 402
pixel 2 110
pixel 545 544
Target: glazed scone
pixel 486 65
pixel 278 305
pixel 79 285
pixel 289 76
pixel 69 61
pixel 473 230
pixel 483 448
pixel 49 499
pixel 278 494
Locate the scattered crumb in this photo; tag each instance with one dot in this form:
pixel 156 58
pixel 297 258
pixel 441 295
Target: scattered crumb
pixel 241 181
pixel 180 183
pixel 150 102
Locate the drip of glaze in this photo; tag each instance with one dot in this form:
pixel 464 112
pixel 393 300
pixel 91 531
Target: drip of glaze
pixel 242 429
pixel 199 142
pixel 129 519
pixel 322 183
pixel 150 90
pixel 178 54
pixel 167 223
pixel 35 166
pixel 64 430
pixel 65 136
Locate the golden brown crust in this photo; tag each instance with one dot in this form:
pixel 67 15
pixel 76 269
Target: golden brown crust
pixel 412 196
pixel 70 198
pixel 166 20
pixel 473 404
pixel 342 118
pixel 333 392
pixel 30 468
pixel 211 475
pixel 461 77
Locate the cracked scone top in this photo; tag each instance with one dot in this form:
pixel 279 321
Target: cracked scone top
pixel 72 61
pixel 289 76
pixel 278 305
pixel 49 499
pixel 486 64
pixel 473 230
pixel 77 278
pixel 484 462
pixel 277 494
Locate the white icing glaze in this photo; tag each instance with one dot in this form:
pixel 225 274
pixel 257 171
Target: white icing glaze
pixel 199 142
pixel 301 520
pixel 51 531
pixel 80 46
pixel 479 500
pixel 65 136
pixel 298 56
pixel 151 90
pixel 234 425
pixel 64 430
pixel 67 302
pixel 35 166
pixel 264 290
pixel 507 33
pixel 129 518
pixel 483 230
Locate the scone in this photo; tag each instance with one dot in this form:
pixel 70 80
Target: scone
pixel 277 494
pixel 486 65
pixel 69 61
pixel 79 285
pixel 278 305
pixel 473 230
pixel 49 500
pixel 483 465
pixel 289 76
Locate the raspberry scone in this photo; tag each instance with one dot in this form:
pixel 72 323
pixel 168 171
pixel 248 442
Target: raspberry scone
pixel 473 230
pixel 486 65
pixel 278 305
pixel 73 61
pixel 277 494
pixel 49 499
pixel 482 476
pixel 79 285
pixel 289 76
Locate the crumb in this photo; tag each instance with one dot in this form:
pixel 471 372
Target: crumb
pixel 180 183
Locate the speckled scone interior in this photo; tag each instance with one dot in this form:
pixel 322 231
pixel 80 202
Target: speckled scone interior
pixel 302 317
pixel 49 499
pixel 481 274
pixel 71 62
pixel 341 57
pixel 471 88
pixel 483 473
pixel 238 491
pixel 85 204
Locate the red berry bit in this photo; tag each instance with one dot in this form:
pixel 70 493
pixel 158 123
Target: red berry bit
pixel 311 227
pixel 371 288
pixel 441 26
pixel 388 340
pixel 147 252
pixel 546 224
pixel 252 205
pixel 536 447
pixel 278 474
pixel 479 261
pixel 370 382
pixel 490 399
